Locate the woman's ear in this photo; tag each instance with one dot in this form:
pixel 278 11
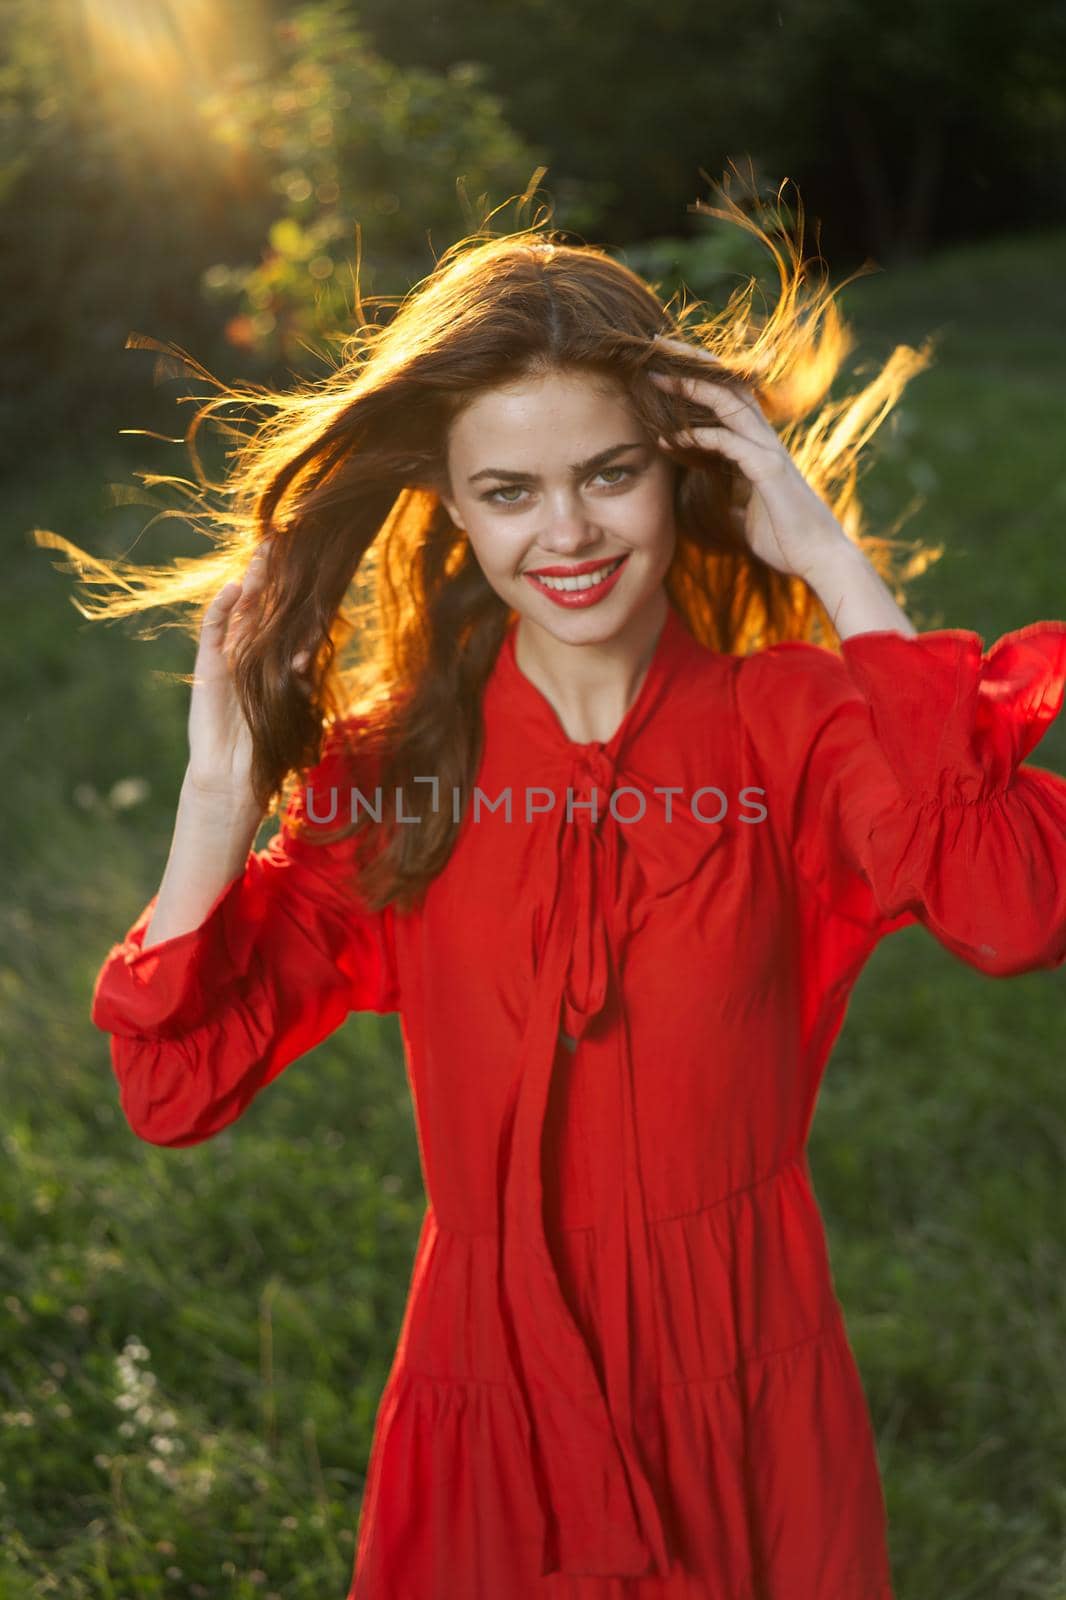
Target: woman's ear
pixel 439 485
pixel 442 491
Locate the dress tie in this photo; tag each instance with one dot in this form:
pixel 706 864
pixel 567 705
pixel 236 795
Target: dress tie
pixel 597 1450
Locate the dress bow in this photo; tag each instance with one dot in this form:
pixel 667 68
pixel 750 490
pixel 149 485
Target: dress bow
pixel 596 1438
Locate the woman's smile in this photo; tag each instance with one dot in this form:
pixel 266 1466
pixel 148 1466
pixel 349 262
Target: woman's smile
pixel 585 589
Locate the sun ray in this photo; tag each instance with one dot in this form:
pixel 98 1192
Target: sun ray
pixel 161 45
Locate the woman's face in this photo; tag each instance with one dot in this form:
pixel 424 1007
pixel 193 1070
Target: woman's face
pixel 553 472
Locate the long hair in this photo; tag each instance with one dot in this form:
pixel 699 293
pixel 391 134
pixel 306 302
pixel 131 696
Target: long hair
pixel 366 569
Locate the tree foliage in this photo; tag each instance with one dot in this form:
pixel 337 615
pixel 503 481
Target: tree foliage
pixel 131 180
pixel 358 145
pixel 905 123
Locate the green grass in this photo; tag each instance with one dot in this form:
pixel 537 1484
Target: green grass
pixel 193 1342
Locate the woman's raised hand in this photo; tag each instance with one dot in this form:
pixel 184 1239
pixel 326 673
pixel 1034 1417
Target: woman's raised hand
pixel 787 523
pixel 220 740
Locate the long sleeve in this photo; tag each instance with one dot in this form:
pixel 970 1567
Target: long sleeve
pixel 897 766
pixel 201 1022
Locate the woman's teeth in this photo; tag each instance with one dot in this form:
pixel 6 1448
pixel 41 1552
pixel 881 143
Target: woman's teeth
pixel 588 580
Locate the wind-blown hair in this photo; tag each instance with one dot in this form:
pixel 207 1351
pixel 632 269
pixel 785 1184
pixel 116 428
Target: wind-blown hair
pixel 366 568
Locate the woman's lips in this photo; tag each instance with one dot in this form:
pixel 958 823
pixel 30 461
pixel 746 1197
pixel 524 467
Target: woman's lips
pixel 578 599
pixel 578 570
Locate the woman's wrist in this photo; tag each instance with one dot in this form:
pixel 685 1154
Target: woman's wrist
pixel 221 808
pixel 854 594
pixel 213 832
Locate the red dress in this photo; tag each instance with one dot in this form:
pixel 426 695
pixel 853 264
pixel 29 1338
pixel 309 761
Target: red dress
pixel 623 1372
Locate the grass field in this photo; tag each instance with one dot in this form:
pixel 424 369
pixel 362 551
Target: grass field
pixel 193 1342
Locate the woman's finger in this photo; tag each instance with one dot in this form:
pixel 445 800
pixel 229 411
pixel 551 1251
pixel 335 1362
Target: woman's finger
pixel 252 586
pixel 698 350
pixel 214 630
pixel 255 572
pixel 745 412
pixel 217 614
pixel 744 452
pixel 699 439
pixel 301 661
pixel 694 352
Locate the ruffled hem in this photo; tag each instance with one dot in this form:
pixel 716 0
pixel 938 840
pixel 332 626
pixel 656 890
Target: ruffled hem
pixel 987 709
pixel 767 1476
pixel 773 1490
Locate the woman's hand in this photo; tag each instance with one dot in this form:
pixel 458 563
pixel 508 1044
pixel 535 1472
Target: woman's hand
pixel 220 740
pixel 787 524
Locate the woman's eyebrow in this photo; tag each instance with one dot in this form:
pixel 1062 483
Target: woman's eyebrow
pixel 577 470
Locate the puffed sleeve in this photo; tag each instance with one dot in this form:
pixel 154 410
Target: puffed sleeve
pixel 897 768
pixel 203 1021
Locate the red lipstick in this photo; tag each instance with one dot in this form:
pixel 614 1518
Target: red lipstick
pixel 579 599
pixel 575 571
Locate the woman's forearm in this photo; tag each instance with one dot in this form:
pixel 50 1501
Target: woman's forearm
pixel 855 595
pixel 211 840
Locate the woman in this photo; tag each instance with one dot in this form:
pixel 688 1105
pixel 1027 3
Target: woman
pixel 651 831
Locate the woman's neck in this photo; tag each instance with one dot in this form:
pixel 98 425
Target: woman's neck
pixel 592 686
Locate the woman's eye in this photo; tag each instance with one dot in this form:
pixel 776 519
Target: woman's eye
pixel 494 494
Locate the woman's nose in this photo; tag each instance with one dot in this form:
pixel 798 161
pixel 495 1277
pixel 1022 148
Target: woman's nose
pixel 567 530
